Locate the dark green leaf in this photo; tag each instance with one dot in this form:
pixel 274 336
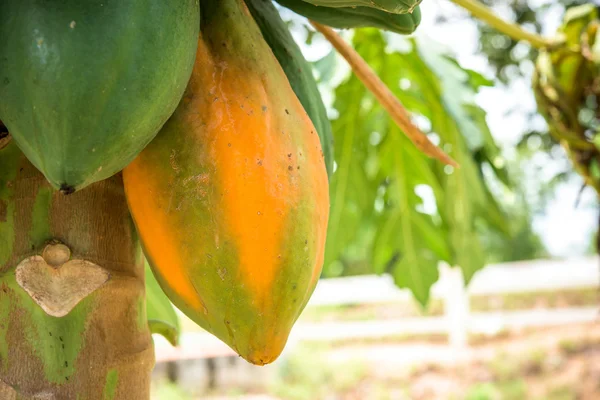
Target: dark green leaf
pixel 162 318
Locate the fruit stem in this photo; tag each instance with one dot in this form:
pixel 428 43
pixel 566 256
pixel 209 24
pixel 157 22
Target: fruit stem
pixel 513 30
pixel 384 95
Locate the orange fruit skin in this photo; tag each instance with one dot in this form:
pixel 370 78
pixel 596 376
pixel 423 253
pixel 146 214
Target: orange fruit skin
pixel 231 199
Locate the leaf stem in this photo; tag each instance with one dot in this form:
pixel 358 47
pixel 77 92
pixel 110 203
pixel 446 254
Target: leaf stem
pixel 513 30
pixel 384 95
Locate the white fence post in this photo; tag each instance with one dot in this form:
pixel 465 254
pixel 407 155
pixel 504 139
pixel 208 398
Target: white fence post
pixel 456 306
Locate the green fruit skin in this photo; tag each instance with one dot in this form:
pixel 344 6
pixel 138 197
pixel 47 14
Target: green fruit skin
pixel 389 6
pixel 356 17
pixel 86 84
pixel 297 70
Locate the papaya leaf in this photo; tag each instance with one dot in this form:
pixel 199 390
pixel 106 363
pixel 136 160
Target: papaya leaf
pixel 326 66
pixel 389 6
pixel 407 231
pixel 165 330
pixel 162 318
pixel 419 211
pixel 466 196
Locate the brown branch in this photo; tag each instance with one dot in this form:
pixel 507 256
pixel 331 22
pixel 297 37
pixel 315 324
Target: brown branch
pixel 512 30
pixel 384 95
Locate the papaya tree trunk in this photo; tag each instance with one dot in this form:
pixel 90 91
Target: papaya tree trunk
pixel 72 302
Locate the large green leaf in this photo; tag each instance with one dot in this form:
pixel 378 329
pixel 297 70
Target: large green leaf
pixel 421 212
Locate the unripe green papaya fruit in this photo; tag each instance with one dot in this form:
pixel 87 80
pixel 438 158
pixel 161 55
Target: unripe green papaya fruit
pixel 356 17
pixel 86 84
pixel 297 70
pixel 231 199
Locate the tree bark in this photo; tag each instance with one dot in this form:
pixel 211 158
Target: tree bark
pixel 72 316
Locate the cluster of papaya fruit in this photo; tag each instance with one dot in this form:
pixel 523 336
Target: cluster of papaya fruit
pixel 567 90
pixel 214 118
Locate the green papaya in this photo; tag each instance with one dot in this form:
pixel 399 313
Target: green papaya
pixel 356 17
pixel 389 6
pixel 297 70
pixel 231 199
pixel 563 81
pixel 85 85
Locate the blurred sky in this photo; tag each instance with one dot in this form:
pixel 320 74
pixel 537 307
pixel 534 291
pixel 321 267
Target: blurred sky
pixel 566 230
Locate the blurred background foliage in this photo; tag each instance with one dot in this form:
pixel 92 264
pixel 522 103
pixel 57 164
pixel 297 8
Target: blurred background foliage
pixel 512 60
pixel 394 210
pixel 392 207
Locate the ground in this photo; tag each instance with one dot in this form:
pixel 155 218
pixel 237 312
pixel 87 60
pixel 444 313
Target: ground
pixel 560 363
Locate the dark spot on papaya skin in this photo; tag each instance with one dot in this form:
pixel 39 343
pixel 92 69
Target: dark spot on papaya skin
pixel 290 155
pixel 231 337
pixel 287 112
pixel 66 189
pixel 264 108
pixel 66 363
pixel 228 144
pixel 290 168
pixel 66 377
pixel 3 211
pixel 50 333
pixel 294 287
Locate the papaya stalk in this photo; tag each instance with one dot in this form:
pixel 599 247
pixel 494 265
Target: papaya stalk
pixel 384 95
pixel 72 302
pixel 515 31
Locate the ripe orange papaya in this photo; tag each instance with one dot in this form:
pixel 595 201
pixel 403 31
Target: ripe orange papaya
pixel 231 198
